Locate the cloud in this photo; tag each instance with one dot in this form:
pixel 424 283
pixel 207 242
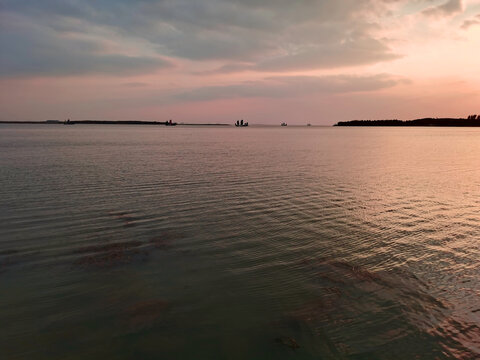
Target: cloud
pixel 474 21
pixel 446 9
pixel 351 52
pixel 269 35
pixel 30 49
pixel 291 86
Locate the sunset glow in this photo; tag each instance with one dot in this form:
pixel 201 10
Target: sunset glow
pixel 318 61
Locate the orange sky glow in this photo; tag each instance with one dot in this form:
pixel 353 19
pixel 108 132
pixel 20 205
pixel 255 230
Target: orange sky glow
pixel 316 62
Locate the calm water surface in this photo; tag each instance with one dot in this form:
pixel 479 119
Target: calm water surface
pixel 138 242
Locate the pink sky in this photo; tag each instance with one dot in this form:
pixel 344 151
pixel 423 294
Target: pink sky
pixel 220 60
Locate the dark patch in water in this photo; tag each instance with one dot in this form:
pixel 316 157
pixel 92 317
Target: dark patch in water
pixel 127 218
pixel 120 253
pixel 287 341
pixel 13 257
pixel 162 242
pixel 145 313
pixel 317 310
pixel 125 245
pixel 109 255
pixel 347 295
pixel 9 252
pixel 459 337
pixel 333 290
pixel 352 271
pixel 165 240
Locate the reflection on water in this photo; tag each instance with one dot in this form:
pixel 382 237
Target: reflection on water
pixel 131 242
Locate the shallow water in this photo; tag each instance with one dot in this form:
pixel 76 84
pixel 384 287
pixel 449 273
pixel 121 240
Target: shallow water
pixel 132 242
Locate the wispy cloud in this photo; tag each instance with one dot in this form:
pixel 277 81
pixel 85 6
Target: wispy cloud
pixel 446 9
pixel 473 21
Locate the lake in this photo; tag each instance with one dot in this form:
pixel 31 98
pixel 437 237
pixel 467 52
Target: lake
pixel 149 242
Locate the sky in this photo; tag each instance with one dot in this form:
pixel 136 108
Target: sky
pixel 264 61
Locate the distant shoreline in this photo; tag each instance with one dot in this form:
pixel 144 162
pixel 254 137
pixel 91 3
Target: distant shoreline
pixel 438 122
pixel 108 122
pixel 445 122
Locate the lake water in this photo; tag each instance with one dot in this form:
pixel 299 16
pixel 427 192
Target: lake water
pixel 148 242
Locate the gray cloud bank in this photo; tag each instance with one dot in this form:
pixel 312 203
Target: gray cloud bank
pixel 29 49
pixel 450 7
pixel 468 23
pixel 268 35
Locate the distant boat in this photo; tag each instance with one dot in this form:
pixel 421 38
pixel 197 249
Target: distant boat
pixel 68 122
pixel 309 124
pixel 240 123
pixel 170 123
pixel 283 124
